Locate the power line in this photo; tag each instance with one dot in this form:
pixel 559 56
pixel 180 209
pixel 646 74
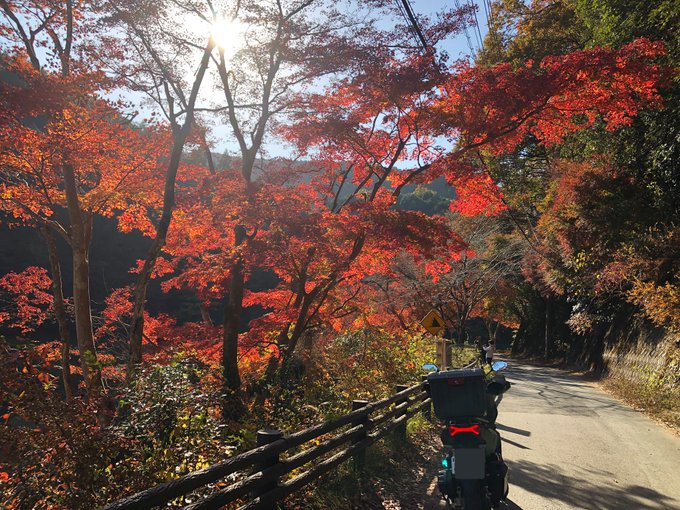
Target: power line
pixel 486 13
pixel 467 34
pixel 412 21
pixel 491 26
pixel 406 19
pixel 478 32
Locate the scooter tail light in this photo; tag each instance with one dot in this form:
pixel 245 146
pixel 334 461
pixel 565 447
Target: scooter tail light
pixel 474 429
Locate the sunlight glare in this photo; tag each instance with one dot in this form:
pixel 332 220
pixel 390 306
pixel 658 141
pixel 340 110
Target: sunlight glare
pixel 228 35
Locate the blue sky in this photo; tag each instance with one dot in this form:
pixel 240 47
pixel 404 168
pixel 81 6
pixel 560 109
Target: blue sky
pixel 457 47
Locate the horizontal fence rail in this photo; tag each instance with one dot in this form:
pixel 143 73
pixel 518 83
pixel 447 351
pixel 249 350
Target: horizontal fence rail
pixel 260 471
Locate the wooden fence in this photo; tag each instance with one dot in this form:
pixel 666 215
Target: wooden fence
pixel 261 471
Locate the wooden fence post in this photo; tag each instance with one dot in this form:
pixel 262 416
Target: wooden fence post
pixel 265 437
pixel 427 411
pixel 360 457
pixel 400 431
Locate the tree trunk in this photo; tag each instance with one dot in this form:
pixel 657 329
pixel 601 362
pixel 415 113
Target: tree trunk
pixel 142 284
pixel 83 314
pixel 205 314
pixel 232 318
pixel 60 312
pixel 233 306
pixel 273 364
pixel 179 139
pixel 297 332
pixel 462 330
pixel 459 335
pixel 548 327
pixel 518 342
pixel 137 320
pixel 81 235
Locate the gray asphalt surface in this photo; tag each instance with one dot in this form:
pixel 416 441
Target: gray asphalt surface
pixel 569 445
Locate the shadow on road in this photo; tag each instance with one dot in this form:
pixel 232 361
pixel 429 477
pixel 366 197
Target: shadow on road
pixel 513 430
pixel 554 391
pixel 513 443
pixel 548 482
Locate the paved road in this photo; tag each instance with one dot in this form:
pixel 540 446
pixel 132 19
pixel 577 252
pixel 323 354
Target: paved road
pixel 571 446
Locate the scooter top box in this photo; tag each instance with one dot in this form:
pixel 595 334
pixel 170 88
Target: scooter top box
pixel 458 393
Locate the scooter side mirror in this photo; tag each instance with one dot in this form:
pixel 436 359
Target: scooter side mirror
pixel 431 367
pixel 497 366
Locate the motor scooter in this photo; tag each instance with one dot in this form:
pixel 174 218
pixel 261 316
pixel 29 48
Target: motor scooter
pixel 474 476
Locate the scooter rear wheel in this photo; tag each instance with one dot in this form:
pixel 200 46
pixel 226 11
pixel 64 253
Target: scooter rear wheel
pixel 474 497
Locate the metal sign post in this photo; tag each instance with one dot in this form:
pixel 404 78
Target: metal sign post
pixel 444 353
pixel 441 353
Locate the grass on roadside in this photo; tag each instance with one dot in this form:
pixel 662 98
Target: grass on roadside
pixel 662 403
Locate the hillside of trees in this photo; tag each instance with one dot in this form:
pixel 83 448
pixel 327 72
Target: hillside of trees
pixel 158 304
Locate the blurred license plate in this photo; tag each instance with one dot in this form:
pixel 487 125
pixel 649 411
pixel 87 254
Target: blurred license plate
pixel 469 463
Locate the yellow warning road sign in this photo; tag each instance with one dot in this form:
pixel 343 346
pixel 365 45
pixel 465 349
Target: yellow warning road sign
pixel 433 322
